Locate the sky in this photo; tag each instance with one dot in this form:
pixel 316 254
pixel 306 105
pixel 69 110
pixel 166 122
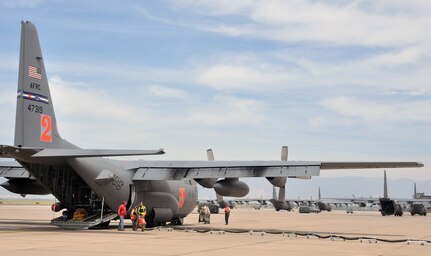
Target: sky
pixel 333 80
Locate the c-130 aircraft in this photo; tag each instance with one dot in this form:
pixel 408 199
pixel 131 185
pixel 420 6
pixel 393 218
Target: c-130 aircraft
pixel 83 178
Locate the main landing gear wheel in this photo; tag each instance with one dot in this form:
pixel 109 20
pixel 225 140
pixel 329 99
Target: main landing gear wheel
pixel 179 221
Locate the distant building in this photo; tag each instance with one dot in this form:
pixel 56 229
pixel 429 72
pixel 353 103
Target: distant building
pixel 422 196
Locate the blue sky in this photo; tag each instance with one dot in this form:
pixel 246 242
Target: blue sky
pixel 333 80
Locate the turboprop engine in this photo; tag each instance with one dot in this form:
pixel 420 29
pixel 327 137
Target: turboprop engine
pixel 277 181
pixel 207 183
pixel 231 187
pixel 418 209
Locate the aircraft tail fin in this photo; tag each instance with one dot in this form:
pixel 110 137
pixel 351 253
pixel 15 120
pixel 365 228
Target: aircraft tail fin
pixel 210 154
pixel 415 194
pixel 385 185
pixel 35 123
pixel 320 196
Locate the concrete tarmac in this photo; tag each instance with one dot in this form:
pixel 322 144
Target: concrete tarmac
pixel 25 230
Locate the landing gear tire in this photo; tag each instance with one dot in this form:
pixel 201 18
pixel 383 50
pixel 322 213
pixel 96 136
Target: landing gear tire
pixel 179 221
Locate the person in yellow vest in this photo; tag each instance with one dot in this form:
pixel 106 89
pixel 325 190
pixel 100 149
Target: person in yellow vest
pixel 142 211
pixel 134 218
pixel 226 214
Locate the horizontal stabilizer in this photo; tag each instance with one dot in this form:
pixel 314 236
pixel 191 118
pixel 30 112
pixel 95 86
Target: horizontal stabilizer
pixel 94 152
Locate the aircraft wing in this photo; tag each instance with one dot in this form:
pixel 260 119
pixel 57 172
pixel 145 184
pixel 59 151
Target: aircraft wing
pixel 368 165
pixel 176 170
pixel 404 201
pixel 347 201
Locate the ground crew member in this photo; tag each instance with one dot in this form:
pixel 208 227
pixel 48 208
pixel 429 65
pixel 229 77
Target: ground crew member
pixel 226 214
pixel 201 214
pixel 122 213
pixel 142 211
pixel 207 214
pixel 134 218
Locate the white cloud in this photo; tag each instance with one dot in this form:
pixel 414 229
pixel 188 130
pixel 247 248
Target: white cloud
pixel 401 69
pixel 409 55
pixel 129 72
pixel 350 22
pixel 381 112
pixel 218 7
pixel 231 111
pixel 167 92
pixel 88 102
pixel 227 76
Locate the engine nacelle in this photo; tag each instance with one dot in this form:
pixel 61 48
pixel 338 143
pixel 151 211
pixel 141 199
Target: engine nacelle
pixel 362 204
pixel 25 186
pixel 162 214
pixel 324 206
pixel 207 183
pixel 230 187
pixel 277 181
pixel 418 209
pixel 398 211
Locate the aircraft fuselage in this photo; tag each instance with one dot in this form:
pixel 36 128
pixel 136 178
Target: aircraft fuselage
pixel 83 182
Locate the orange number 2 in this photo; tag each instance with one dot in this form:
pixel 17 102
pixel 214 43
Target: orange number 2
pixel 45 128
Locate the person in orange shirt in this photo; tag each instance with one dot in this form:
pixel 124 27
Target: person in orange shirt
pixel 226 214
pixel 134 218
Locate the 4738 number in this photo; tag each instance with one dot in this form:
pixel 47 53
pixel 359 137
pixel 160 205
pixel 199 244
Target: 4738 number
pixel 35 108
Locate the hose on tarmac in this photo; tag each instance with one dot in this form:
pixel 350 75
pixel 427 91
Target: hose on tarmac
pixel 292 234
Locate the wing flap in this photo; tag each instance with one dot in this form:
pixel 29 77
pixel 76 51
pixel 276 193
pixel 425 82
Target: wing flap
pixel 224 172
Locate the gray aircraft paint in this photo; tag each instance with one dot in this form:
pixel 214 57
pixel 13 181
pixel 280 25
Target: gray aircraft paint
pixel 27 124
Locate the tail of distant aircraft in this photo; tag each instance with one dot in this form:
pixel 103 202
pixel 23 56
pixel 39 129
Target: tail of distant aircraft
pixel 385 185
pixel 35 124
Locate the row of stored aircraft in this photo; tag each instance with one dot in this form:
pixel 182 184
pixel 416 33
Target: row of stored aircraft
pixel 45 163
pixel 387 205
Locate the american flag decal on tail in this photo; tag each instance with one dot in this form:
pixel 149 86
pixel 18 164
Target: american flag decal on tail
pixel 34 72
